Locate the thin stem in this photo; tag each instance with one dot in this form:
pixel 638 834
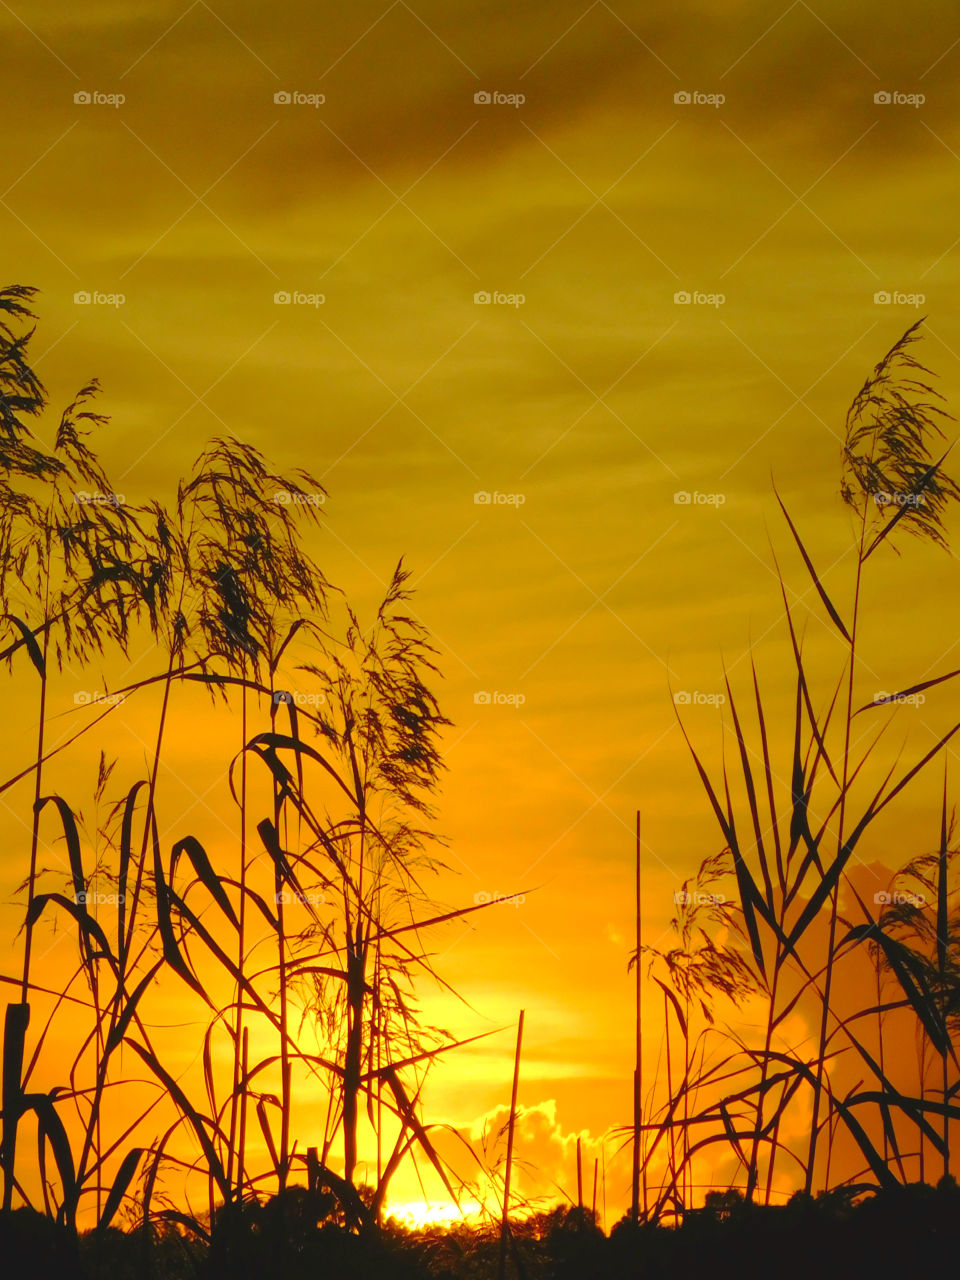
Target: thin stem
pixel 35 824
pixel 835 895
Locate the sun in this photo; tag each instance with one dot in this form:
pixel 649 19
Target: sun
pixel 417 1214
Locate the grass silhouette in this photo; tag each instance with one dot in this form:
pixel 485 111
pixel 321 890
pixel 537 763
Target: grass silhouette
pixel 300 930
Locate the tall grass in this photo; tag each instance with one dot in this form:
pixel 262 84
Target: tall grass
pixel 790 822
pixel 309 924
pixel 294 934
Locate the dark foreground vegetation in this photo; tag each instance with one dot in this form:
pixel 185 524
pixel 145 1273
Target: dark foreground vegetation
pixel 904 1233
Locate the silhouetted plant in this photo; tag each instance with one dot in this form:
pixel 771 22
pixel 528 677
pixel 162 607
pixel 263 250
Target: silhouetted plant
pixel 70 584
pixel 698 969
pixel 790 858
pixel 226 589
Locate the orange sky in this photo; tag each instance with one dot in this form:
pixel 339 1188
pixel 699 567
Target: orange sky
pixel 591 593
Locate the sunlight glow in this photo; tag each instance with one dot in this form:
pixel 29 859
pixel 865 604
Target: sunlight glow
pixel 418 1214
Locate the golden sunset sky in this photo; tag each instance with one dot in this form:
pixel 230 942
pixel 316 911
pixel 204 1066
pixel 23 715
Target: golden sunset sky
pixel 775 191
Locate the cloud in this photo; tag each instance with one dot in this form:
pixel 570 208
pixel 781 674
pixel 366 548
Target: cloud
pixel 544 1158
